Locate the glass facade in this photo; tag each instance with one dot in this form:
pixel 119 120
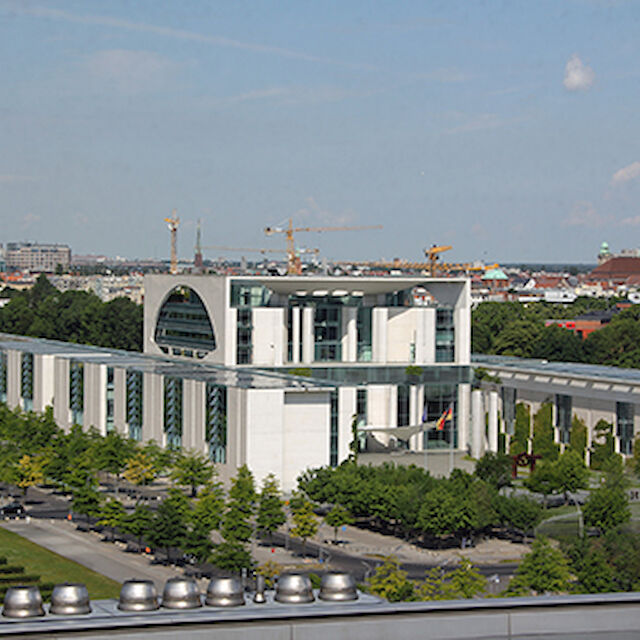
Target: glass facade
pixel 247 294
pixel 327 332
pixel 76 392
pixel 244 336
pixel 437 400
pixel 134 404
pixel 173 412
pixel 624 426
pixel 216 422
pixel 333 429
pixel 563 417
pixel 110 393
pixel 509 398
pixel 364 324
pixel 445 336
pixel 403 406
pixel 3 376
pixel 184 327
pixel 26 380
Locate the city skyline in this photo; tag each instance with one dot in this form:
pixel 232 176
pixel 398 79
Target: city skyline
pixel 504 129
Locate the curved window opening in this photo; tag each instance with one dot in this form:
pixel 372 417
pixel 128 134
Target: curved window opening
pixel 184 327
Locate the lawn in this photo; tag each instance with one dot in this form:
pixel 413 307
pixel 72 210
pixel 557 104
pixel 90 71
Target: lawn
pixel 53 568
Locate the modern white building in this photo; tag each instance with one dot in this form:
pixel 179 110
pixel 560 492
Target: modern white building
pixel 588 392
pixel 268 371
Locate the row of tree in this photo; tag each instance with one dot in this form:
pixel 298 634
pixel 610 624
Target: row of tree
pixel 516 329
pixel 72 316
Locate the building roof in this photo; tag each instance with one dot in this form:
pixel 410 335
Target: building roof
pixel 619 267
pixel 572 369
pixel 242 377
pixel 495 274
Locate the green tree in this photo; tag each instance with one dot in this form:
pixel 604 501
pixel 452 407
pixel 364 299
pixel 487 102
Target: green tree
pixel 571 473
pixel 603 446
pixel 578 436
pixel 209 506
pixel 390 582
pixel 337 517
pixel 169 527
pixel 86 501
pixel 192 469
pixel 519 512
pixel 270 507
pixel 590 566
pixel 232 556
pixel 518 338
pixel 138 523
pixel 29 471
pixel 305 523
pixel 607 508
pixel 520 439
pixel 446 511
pixel 543 434
pixel 465 581
pixel 495 469
pixel 139 469
pixel 112 514
pixel 236 524
pixel 197 541
pixel 543 480
pixel 543 570
pixel 112 454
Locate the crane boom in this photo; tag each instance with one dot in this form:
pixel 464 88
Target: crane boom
pixel 294 265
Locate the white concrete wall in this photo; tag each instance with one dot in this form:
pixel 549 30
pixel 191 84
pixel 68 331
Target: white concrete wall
pixel 401 333
pixel 306 433
pixel 14 370
pixel 43 375
pixel 153 408
pixel 231 342
pixel 379 317
pixel 349 334
pixel 61 394
pixel 346 411
pixel 307 337
pixel 193 408
pixel 267 336
pixel 120 401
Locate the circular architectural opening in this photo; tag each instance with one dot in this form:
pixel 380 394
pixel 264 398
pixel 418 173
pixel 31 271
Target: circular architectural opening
pixel 184 327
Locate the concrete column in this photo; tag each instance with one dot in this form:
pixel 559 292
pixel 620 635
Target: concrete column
pixel 477 424
pixel 379 318
pixel 61 394
pixel 346 411
pixel 295 334
pixel 464 401
pixel 153 408
pixel 415 415
pixel 307 335
pixel 493 421
pixel 43 375
pixel 120 401
pixel 14 378
pixel 349 334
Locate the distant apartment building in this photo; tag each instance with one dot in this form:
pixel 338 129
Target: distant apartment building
pixel 28 256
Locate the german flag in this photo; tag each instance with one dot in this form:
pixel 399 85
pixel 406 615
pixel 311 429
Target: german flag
pixel 445 417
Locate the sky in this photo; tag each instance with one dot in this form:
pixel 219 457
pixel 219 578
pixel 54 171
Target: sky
pixel 507 129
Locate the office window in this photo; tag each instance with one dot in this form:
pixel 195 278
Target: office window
pixel 244 336
pixel 445 336
pixel 3 376
pixel 364 334
pixel 624 426
pixel 333 431
pixel 173 412
pixel 216 422
pixel 110 392
pixel 289 334
pixel 361 406
pixel 134 404
pixel 76 392
pixel 509 398
pixel 328 333
pixel 403 405
pixel 26 381
pixel 563 417
pixel 437 400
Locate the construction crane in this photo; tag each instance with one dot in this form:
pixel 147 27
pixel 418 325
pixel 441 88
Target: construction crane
pixel 433 255
pixel 173 222
pixel 255 250
pixel 294 266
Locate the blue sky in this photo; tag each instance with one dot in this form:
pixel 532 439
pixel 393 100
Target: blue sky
pixel 509 130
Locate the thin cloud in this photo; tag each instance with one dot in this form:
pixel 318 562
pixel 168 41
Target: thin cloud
pixel 584 214
pixel 314 212
pixel 630 222
pixel 480 122
pixel 167 32
pixel 128 70
pixel 626 174
pixel 577 75
pixel 13 178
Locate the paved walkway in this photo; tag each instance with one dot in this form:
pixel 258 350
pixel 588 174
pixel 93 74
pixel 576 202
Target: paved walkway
pixel 86 549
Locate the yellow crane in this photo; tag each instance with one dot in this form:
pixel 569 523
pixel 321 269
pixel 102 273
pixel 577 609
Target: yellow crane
pixel 433 255
pixel 293 259
pixel 256 250
pixel 173 222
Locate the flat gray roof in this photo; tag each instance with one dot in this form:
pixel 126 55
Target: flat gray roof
pixel 572 369
pixel 191 369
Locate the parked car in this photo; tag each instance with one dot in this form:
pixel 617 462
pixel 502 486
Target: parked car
pixel 12 510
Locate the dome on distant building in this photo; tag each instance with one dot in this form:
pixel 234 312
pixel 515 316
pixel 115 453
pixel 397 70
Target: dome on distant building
pixel 495 274
pixel 604 248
